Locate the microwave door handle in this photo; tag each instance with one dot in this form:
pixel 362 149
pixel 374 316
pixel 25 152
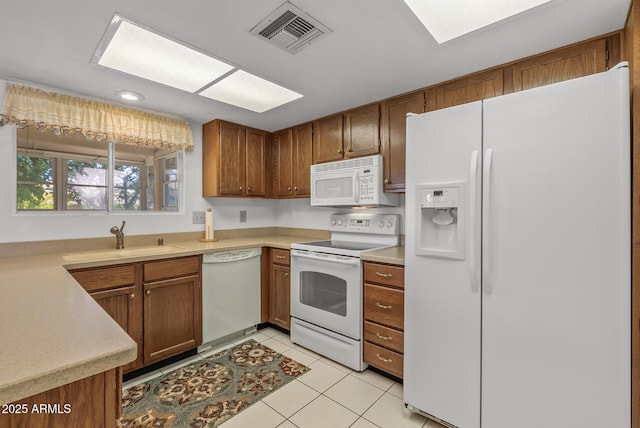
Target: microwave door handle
pixel 356 186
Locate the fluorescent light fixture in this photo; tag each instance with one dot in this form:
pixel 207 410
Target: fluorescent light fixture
pixel 448 19
pixel 250 92
pixel 132 49
pixel 129 95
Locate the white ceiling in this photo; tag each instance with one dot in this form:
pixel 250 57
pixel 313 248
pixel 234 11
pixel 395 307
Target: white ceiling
pixel 377 49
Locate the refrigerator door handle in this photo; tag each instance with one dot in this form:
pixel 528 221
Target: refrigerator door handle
pixel 473 260
pixel 486 221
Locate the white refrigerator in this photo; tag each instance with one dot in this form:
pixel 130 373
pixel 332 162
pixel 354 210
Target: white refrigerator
pixel 517 259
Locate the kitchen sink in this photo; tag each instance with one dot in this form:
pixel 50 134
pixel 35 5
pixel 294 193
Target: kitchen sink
pixel 116 254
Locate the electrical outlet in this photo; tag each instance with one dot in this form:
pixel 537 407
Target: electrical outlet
pixel 243 216
pixel 198 217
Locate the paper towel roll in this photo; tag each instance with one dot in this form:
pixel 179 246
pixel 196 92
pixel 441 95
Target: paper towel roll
pixel 208 224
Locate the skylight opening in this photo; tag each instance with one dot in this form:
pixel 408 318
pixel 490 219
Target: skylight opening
pixel 449 19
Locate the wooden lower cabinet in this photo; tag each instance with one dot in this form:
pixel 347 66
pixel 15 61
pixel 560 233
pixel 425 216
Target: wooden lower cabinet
pixel 124 305
pixel 279 288
pixel 172 307
pixel 94 401
pixel 384 317
pixel 117 289
pixel 158 303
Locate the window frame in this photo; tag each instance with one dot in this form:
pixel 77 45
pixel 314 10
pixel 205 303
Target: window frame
pixel 59 182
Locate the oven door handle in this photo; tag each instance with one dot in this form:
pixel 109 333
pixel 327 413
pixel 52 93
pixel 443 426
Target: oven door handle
pixel 351 261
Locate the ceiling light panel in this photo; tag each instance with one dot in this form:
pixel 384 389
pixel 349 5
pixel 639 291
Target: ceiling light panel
pixel 132 49
pixel 448 19
pixel 250 92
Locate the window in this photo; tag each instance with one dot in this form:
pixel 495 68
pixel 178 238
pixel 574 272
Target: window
pixel 68 173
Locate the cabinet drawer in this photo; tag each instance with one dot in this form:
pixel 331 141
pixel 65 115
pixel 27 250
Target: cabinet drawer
pixel 280 257
pixel 384 359
pixel 384 274
pixel 384 336
pixel 104 278
pixel 384 305
pixel 154 271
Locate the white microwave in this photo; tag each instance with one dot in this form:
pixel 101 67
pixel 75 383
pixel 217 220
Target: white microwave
pixel 353 182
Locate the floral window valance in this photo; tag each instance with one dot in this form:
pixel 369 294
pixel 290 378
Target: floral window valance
pixel 65 114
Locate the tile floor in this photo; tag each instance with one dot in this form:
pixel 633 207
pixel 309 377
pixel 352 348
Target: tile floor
pixel 329 395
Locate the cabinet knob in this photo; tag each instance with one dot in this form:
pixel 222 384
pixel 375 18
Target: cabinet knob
pixel 286 274
pixel 384 275
pixel 289 188
pixel 383 359
pixel 280 257
pixel 148 292
pixel 295 188
pixel 381 306
pixel 132 296
pixel 383 337
pixel 240 187
pixel 350 151
pixel 339 152
pixel 248 188
pixel 386 181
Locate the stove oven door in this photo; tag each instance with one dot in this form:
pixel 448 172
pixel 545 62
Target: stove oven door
pixel 326 290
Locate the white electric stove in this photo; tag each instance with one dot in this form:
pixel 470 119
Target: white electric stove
pixel 326 285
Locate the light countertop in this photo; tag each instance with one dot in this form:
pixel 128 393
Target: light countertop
pixel 54 333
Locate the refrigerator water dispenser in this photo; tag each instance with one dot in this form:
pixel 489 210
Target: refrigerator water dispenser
pixel 441 220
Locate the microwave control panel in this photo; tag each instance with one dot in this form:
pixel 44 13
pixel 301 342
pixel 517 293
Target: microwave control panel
pixel 367 185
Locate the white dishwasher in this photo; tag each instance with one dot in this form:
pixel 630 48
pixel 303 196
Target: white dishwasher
pixel 230 293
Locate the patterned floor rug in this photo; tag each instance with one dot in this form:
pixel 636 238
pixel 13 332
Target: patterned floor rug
pixel 208 392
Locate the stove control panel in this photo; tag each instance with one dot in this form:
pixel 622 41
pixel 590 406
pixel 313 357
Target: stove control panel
pixel 383 224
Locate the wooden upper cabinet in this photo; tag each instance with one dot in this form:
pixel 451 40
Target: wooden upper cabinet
pixel 256 162
pixel 362 131
pixel 234 160
pixel 559 65
pixel 281 147
pixel 476 87
pixel 292 151
pixel 302 158
pixel 393 135
pixel 327 139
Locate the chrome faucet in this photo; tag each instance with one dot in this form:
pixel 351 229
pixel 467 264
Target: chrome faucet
pixel 119 235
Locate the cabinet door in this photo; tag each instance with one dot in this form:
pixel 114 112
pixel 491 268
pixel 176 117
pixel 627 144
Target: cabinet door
pixel 124 305
pixel 362 131
pixel 393 133
pixel 468 89
pixel 231 162
pixel 563 64
pixel 302 157
pixel 282 161
pixel 172 317
pixel 327 139
pixel 279 296
pixel 256 164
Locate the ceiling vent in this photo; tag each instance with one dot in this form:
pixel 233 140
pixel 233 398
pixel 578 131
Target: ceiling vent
pixel 290 28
